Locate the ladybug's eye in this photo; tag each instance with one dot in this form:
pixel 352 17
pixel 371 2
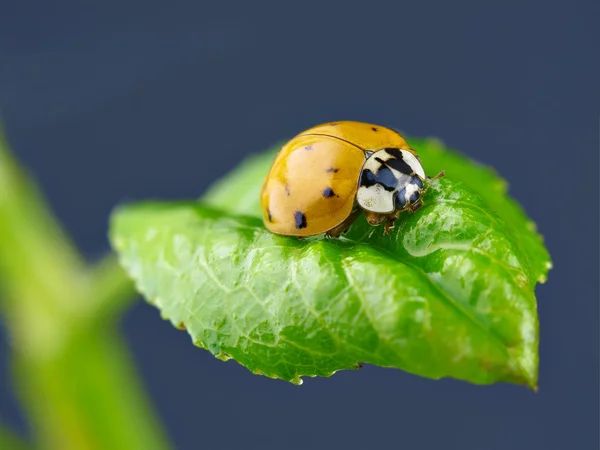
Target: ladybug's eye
pixel 414 196
pixel 399 200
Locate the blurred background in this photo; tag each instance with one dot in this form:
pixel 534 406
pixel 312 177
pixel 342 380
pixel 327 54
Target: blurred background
pixel 129 100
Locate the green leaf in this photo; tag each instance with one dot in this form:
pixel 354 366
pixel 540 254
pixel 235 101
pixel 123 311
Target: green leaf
pixel 450 293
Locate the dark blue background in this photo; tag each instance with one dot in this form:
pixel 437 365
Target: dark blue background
pixel 157 99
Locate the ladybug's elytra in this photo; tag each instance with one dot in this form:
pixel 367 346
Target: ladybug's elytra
pixel 322 179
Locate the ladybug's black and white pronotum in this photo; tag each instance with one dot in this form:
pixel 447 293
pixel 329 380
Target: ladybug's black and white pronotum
pixel 391 181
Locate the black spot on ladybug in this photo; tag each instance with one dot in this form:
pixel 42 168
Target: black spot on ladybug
pixel 300 220
pixel 328 192
pixel 308 147
pixel 269 216
pixel 384 177
pixel 400 166
pixel 396 153
pixel 332 170
pixel 397 162
pixel 374 128
pixel 367 178
pixel 287 190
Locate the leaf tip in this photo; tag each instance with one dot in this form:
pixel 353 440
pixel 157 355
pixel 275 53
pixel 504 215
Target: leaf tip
pixel 298 381
pixel 223 356
pixel 529 377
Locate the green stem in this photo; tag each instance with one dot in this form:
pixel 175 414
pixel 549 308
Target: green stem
pixel 88 396
pixel 73 372
pixel 112 291
pixel 10 441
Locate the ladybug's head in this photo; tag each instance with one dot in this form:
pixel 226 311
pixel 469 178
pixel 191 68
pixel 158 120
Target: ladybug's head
pixel 391 180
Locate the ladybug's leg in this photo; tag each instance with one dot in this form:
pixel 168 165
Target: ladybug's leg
pixel 439 175
pixel 389 224
pixel 374 218
pixel 391 219
pixel 345 225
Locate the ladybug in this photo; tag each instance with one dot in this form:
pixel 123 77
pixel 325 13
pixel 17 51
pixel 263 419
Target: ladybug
pixel 325 177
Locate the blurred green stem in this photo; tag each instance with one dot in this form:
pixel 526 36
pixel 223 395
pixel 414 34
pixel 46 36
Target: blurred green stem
pixel 10 441
pixel 71 368
pixel 88 397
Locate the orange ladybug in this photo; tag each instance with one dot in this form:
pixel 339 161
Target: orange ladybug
pixel 326 176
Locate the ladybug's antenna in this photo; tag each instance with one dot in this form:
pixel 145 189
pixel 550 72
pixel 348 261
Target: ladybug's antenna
pixel 439 175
